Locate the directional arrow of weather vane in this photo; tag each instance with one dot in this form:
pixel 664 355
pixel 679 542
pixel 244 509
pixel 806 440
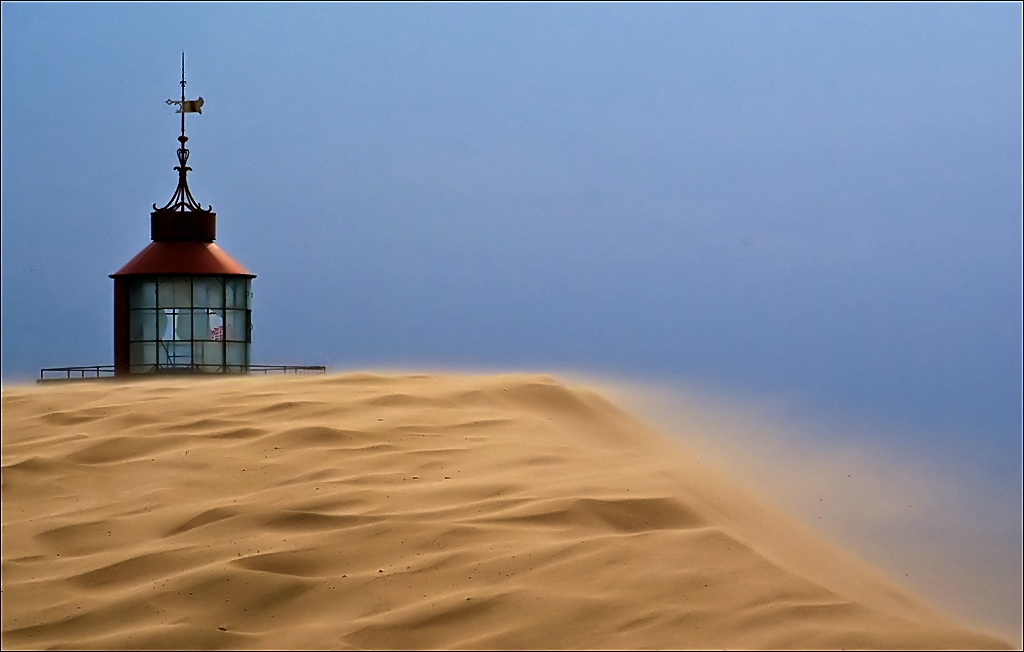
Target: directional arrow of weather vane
pixel 188 106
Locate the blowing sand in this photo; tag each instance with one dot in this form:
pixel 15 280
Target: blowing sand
pixel 403 511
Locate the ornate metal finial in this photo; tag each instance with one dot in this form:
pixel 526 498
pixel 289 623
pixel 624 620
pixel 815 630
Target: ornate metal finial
pixel 182 199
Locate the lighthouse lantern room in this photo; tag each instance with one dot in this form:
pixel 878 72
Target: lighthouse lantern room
pixel 182 305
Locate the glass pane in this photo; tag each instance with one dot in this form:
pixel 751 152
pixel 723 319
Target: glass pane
pixel 208 292
pixel 182 324
pixel 142 353
pixel 175 354
pixel 208 354
pixel 143 325
pixel 135 326
pixel 216 318
pixel 237 354
pixel 201 324
pixel 141 369
pixel 142 294
pixel 236 291
pixel 174 293
pixel 236 325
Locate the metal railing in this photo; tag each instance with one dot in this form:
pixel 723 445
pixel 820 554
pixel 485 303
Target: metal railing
pixel 286 369
pixel 76 373
pixel 107 371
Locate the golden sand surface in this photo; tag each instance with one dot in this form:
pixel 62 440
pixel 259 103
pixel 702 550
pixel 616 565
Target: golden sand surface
pixel 403 511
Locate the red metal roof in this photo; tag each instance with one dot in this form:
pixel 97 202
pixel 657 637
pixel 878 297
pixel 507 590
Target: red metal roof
pixel 184 258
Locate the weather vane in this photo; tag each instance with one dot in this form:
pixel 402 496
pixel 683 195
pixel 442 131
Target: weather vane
pixel 182 199
pixel 186 106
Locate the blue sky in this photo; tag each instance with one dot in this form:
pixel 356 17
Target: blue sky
pixel 821 201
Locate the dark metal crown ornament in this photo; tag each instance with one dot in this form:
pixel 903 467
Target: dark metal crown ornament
pixel 182 200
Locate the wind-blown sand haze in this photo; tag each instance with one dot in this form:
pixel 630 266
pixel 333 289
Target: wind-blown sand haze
pixel 439 511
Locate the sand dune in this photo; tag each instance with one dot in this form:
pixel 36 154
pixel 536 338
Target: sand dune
pixel 403 511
